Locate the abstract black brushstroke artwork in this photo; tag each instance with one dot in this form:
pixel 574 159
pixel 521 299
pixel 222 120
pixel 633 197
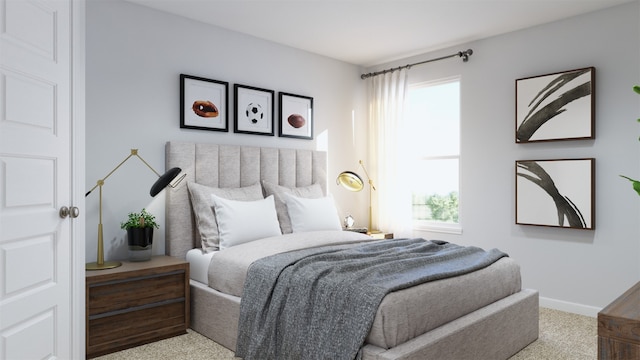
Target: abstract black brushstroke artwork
pixel 558 106
pixel 557 193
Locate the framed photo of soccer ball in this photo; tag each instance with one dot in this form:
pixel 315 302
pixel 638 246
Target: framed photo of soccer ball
pixel 254 110
pixel 296 116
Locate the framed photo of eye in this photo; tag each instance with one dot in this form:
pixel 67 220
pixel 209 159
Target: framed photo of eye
pixel 296 116
pixel 204 103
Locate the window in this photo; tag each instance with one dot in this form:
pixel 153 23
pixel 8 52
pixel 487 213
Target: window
pixel 433 117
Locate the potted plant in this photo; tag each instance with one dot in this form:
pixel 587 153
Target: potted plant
pixel 636 183
pixel 139 228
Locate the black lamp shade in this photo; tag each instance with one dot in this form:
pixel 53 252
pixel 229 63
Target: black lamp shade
pixel 164 180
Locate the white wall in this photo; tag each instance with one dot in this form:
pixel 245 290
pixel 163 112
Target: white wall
pixel 134 58
pixel 574 270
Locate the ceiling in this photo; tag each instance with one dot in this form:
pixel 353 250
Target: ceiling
pixel 371 32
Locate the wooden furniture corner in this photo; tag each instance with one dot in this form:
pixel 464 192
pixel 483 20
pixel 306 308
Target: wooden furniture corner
pixel 381 235
pixel 619 327
pixel 136 303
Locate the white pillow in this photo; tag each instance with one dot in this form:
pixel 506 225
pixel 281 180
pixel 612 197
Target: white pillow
pixel 243 221
pixel 312 214
pixel 312 191
pixel 208 237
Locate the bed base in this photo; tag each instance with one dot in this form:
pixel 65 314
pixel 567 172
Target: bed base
pixel 496 331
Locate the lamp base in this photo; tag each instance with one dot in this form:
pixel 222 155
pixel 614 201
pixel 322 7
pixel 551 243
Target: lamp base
pixel 103 266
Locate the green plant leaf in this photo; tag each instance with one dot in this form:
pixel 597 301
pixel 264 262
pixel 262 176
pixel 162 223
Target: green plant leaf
pixel 636 183
pixel 139 220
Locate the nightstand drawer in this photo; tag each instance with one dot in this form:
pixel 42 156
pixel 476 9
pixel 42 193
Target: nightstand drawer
pixel 133 292
pixel 381 235
pixel 135 326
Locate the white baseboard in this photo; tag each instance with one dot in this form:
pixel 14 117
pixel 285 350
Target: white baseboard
pixel 574 308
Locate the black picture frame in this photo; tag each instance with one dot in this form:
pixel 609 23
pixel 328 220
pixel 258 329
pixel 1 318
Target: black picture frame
pixel 253 110
pixel 556 193
pixel 557 106
pixel 296 116
pixel 204 103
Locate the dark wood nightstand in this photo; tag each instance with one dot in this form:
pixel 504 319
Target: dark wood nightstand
pixel 375 234
pixel 619 327
pixel 136 303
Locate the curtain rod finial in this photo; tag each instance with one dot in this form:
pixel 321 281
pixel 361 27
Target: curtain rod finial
pixel 465 55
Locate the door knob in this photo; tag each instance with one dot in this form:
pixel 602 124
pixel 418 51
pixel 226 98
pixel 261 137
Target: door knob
pixel 73 212
pixel 64 212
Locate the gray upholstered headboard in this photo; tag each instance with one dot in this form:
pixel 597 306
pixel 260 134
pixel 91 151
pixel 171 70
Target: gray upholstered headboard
pixel 230 166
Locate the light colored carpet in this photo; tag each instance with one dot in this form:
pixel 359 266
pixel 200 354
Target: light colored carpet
pixel 563 336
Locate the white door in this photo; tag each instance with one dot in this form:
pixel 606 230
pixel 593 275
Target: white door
pixel 41 284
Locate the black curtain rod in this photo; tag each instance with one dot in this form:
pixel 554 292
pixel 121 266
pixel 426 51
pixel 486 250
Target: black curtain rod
pixel 463 54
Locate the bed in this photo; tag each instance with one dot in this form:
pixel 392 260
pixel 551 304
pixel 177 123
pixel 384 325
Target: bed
pixel 484 314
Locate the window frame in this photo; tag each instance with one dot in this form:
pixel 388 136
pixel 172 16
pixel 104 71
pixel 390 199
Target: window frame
pixel 439 226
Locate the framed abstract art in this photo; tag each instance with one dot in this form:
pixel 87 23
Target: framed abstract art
pixel 557 193
pixel 558 106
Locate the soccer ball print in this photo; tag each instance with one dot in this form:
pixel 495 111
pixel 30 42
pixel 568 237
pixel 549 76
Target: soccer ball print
pixel 254 113
pixel 254 110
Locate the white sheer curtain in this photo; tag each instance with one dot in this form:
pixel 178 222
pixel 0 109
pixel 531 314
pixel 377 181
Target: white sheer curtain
pixel 387 160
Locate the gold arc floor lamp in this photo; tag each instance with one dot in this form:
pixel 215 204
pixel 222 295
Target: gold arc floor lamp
pixel 353 182
pixel 162 182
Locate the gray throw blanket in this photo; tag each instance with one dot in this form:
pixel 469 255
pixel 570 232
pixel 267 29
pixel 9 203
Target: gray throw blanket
pixel 320 303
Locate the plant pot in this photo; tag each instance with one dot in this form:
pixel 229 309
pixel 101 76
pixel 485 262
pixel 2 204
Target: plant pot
pixel 140 243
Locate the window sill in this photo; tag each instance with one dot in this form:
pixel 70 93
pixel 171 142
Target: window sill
pixel 455 229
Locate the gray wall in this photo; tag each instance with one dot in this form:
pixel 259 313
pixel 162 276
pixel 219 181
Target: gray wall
pixel 575 270
pixel 135 54
pixel 134 58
